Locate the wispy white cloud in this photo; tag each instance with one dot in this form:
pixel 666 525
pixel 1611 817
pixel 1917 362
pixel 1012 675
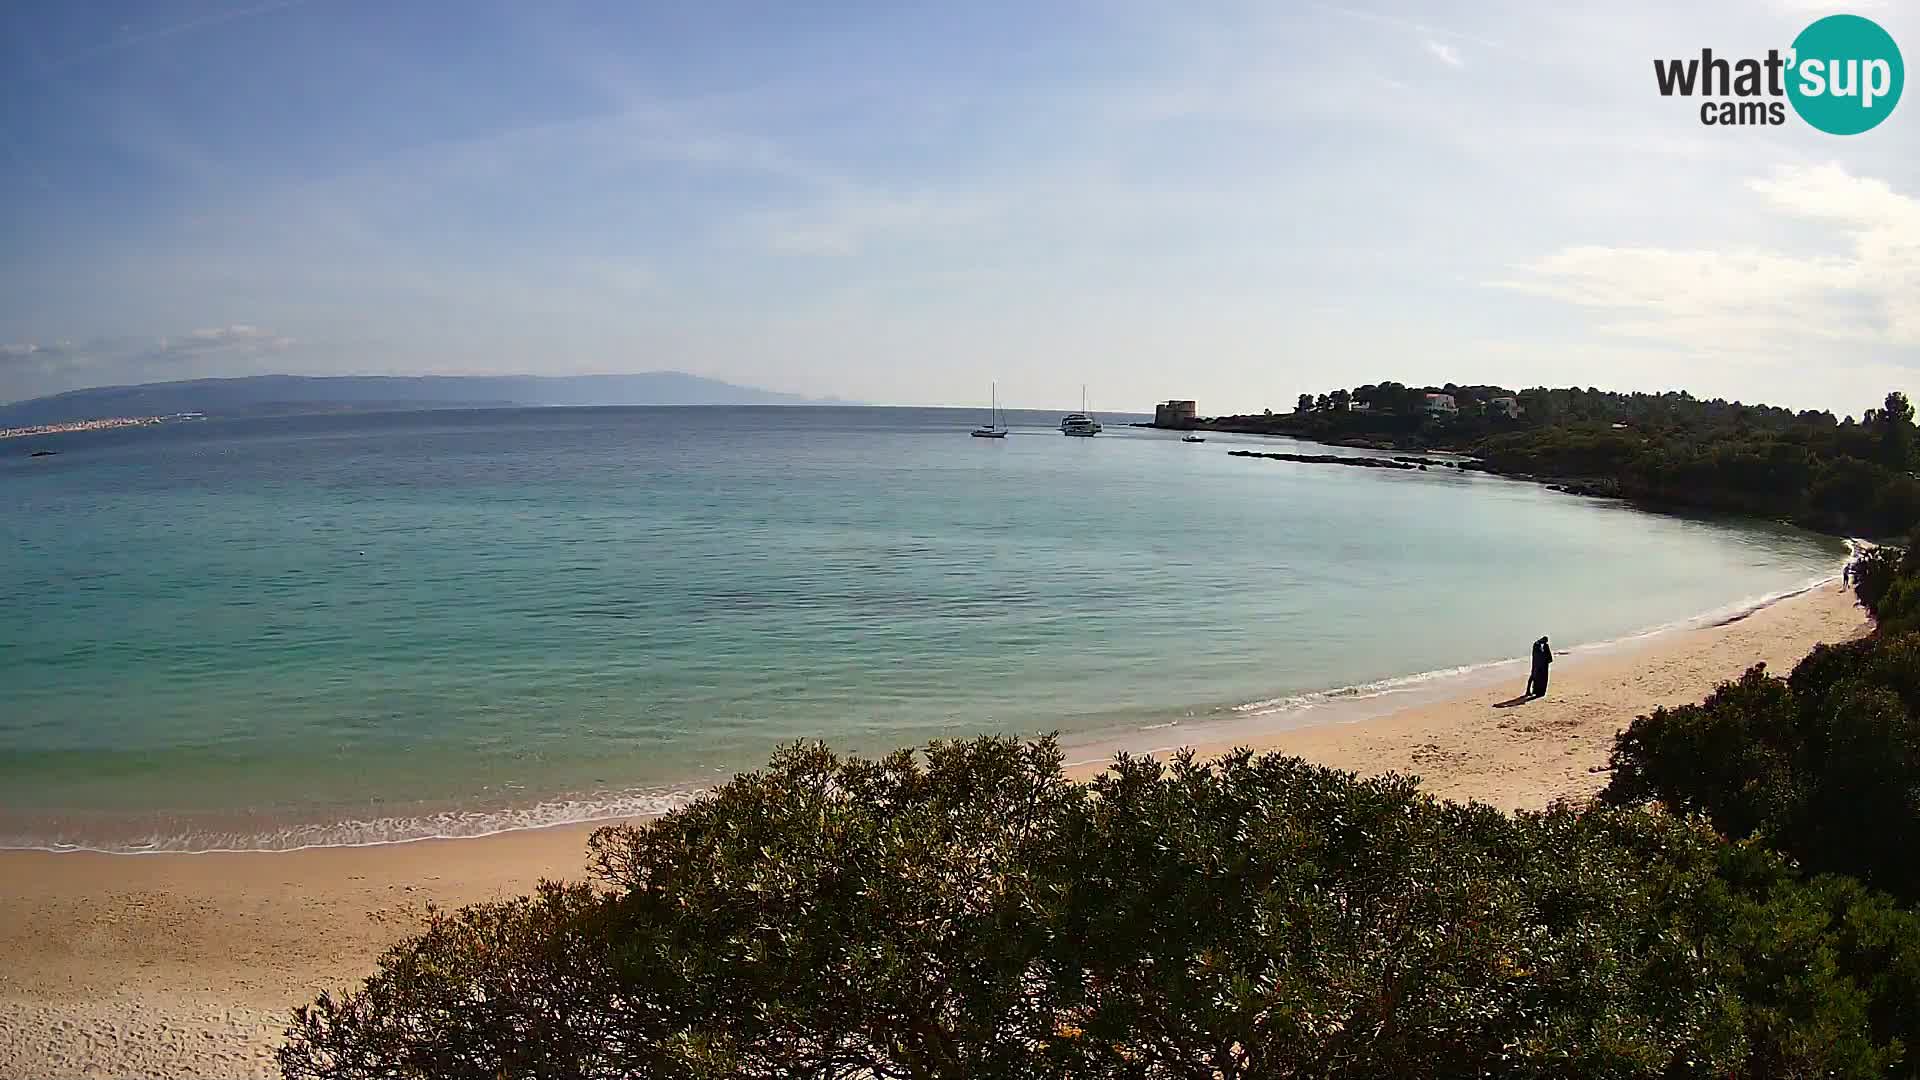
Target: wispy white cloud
pixel 141 37
pixel 1411 26
pixel 1864 289
pixel 31 368
pixel 1827 7
pixel 845 225
pixel 1443 52
pixel 238 335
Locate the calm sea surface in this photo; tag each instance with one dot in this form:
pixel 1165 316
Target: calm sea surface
pixel 347 629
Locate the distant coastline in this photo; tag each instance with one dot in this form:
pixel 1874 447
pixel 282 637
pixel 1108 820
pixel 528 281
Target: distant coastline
pixel 280 395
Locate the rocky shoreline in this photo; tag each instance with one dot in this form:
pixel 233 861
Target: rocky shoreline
pixel 1333 459
pixel 1593 488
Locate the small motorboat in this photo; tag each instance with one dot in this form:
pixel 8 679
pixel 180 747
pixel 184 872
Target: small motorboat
pixel 1193 438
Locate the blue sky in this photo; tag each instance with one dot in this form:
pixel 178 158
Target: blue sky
pixel 1235 202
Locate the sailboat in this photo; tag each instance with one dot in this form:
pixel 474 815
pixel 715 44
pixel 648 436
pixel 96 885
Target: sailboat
pixel 993 430
pixel 1080 423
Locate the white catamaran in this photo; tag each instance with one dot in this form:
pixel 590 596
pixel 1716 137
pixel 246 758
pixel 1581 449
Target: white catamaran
pixel 993 430
pixel 1081 423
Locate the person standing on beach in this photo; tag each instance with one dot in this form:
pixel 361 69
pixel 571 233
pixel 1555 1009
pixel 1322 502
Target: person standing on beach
pixel 1542 657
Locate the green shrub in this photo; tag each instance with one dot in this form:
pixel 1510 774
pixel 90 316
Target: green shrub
pixel 1824 765
pixel 1873 574
pixel 966 911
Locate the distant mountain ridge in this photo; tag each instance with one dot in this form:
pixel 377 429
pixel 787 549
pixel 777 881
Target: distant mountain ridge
pixel 259 395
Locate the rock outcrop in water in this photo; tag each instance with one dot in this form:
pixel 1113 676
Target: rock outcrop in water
pixel 1332 459
pixel 1593 489
pixel 1599 489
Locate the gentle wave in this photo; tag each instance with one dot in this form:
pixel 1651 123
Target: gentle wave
pixel 1729 613
pixel 1399 684
pixel 376 832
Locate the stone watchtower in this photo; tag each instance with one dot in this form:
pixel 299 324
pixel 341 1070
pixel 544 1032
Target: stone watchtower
pixel 1174 414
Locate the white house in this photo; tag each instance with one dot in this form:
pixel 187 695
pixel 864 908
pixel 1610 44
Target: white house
pixel 1442 404
pixel 1508 405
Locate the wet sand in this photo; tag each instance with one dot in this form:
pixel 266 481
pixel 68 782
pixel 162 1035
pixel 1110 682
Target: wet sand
pixel 186 965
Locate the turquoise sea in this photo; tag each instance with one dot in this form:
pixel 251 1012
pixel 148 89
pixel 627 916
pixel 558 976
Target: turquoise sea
pixel 354 629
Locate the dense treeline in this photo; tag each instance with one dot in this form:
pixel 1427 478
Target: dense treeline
pixel 1841 476
pixel 966 911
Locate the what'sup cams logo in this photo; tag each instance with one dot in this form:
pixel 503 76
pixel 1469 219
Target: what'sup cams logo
pixel 1843 75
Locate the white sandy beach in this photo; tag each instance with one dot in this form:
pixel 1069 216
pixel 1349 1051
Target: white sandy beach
pixel 186 965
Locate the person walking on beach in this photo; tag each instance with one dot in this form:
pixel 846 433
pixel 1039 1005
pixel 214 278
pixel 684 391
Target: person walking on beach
pixel 1542 657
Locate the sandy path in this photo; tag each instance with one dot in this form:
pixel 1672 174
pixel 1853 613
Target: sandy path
pixel 182 966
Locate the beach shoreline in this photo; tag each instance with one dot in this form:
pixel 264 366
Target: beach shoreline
pixel 186 965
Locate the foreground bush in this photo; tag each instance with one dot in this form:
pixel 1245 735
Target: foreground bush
pixel 967 912
pixel 1887 581
pixel 1824 764
pixel 1874 572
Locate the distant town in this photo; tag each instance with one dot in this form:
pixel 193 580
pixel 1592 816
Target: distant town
pixel 90 425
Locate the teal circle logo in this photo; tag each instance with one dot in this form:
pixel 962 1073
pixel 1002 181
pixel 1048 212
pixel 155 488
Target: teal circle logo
pixel 1846 74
